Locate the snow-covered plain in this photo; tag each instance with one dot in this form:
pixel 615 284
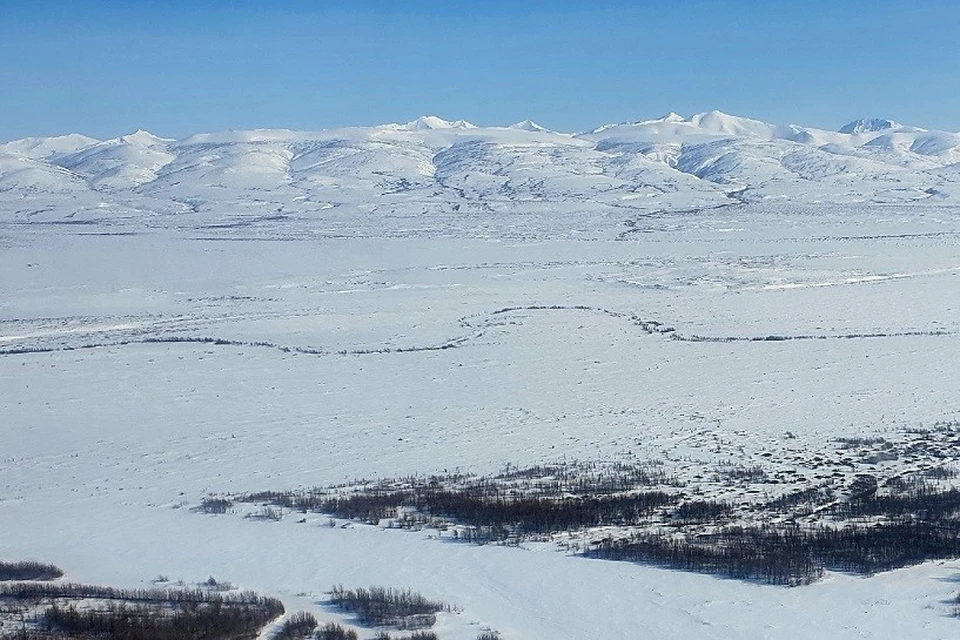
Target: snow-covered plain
pixel 268 310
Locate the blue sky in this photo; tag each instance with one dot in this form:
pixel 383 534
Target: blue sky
pixel 175 68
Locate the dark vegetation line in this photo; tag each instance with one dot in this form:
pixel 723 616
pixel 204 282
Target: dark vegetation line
pixel 650 327
pixel 62 611
pixel 788 555
pixel 28 570
pixel 304 626
pixel 644 515
pixel 386 607
pixel 539 501
pixel 782 338
pixel 72 591
pixel 67 611
pixel 155 623
pixel 220 342
pixel 334 631
pixel 736 197
pixel 299 626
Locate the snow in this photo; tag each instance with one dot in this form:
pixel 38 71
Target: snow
pixel 333 265
pixel 524 593
pixel 721 123
pixel 42 148
pixel 528 125
pixel 865 125
pixel 122 162
pixel 434 122
pixel 671 117
pixel 432 166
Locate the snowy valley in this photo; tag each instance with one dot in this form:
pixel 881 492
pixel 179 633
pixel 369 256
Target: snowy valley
pixel 750 325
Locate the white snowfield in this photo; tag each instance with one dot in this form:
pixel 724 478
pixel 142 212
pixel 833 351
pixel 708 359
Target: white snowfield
pixel 267 310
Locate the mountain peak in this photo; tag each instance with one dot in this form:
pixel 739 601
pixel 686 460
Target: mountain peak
pixel 865 125
pixel 425 123
pixel 718 122
pixel 672 117
pixel 528 125
pixel 49 146
pixel 142 137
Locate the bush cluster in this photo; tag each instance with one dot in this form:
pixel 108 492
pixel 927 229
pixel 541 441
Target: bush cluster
pixel 157 622
pixel 386 607
pixel 140 614
pixel 333 631
pixel 789 555
pixel 29 570
pixel 487 508
pixel 297 627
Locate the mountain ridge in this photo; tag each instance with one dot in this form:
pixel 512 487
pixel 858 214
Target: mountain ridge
pixel 429 122
pixel 453 166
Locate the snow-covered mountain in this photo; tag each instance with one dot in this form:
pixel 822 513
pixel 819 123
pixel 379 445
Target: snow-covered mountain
pixel 434 165
pixel 867 125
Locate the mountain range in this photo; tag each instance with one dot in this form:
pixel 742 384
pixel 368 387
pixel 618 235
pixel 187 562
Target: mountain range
pixel 431 165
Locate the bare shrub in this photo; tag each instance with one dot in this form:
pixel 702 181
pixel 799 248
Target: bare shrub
pixel 216 506
pixel 386 607
pixel 299 625
pixel 333 631
pixel 82 611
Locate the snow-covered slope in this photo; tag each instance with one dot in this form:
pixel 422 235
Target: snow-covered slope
pixel 121 163
pixel 270 310
pixel 867 160
pixel 47 147
pixel 141 373
pixel 436 166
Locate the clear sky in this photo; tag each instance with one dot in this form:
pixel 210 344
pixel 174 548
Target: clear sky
pixel 110 67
